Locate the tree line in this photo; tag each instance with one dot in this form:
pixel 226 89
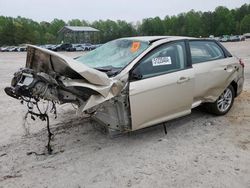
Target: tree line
pixel 221 21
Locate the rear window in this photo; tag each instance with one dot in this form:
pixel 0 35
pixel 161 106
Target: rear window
pixel 202 51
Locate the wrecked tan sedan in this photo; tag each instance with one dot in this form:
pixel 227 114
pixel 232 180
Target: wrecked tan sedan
pixel 132 83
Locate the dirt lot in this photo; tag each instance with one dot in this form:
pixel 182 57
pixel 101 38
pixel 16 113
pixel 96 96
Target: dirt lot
pixel 200 150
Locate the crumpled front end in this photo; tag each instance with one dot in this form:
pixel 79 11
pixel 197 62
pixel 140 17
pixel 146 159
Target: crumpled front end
pixel 58 79
pixel 55 77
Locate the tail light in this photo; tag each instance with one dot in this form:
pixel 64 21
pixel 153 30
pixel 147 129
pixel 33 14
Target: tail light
pixel 241 63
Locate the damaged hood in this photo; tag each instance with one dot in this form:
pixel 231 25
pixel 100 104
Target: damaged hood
pixel 76 73
pixel 43 60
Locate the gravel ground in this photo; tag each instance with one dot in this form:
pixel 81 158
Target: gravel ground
pixel 200 150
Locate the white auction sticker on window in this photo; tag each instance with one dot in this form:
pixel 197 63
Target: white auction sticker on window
pixel 158 61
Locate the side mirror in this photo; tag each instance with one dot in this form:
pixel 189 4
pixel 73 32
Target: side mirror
pixel 136 75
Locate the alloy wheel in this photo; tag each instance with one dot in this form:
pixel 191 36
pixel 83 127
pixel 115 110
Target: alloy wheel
pixel 225 100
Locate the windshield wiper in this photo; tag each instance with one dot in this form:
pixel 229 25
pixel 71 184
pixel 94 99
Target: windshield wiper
pixel 109 70
pixel 105 69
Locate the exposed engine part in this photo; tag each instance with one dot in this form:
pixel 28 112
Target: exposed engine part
pixel 31 88
pixel 27 83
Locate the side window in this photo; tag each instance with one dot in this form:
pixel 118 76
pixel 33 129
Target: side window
pixel 164 59
pixel 202 51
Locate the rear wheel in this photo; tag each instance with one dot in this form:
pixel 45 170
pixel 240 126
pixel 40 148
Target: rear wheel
pixel 224 103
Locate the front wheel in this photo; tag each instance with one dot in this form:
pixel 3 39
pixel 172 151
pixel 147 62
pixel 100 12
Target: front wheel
pixel 224 103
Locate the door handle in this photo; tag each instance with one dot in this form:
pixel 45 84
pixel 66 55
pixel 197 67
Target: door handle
pixel 182 80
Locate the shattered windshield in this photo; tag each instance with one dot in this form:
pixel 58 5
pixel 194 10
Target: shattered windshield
pixel 114 55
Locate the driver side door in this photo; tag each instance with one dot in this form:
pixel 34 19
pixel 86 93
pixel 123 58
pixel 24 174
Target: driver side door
pixel 161 86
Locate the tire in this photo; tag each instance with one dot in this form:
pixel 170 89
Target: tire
pixel 224 103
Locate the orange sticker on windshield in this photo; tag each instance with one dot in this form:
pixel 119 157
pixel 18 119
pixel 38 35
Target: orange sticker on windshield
pixel 135 46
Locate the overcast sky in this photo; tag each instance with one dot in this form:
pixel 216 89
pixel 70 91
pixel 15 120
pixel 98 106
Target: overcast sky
pixel 90 10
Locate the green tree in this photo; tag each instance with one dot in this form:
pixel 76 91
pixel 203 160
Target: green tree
pixel 193 24
pixel 152 26
pixel 55 26
pixel 222 21
pixel 241 12
pixel 75 22
pixel 208 24
pixel 7 31
pixel 245 24
pixel 49 38
pixel 109 30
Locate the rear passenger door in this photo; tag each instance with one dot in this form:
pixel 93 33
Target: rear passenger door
pixel 212 69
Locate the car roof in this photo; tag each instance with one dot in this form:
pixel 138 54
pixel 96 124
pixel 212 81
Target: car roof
pixel 156 38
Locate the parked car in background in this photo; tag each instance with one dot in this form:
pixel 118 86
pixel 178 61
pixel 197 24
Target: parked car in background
pixel 75 47
pixel 217 38
pixel 225 38
pixel 132 83
pixel 62 47
pixel 242 37
pixel 53 47
pixel 13 49
pixel 234 38
pixel 4 49
pixel 214 38
pixel 20 48
pixel 87 46
pixel 247 35
pixel 48 46
pixel 96 46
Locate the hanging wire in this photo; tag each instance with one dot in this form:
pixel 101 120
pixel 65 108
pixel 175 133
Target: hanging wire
pixel 43 115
